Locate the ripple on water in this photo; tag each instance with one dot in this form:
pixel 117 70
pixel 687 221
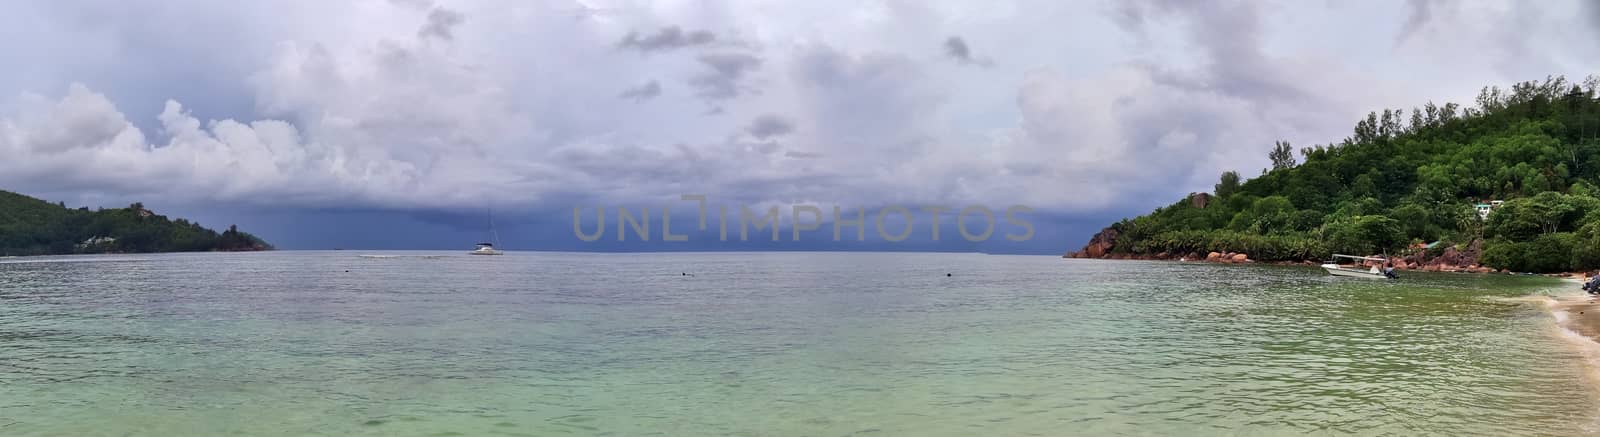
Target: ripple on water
pixel 771 344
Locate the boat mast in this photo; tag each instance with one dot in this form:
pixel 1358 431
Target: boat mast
pixel 492 232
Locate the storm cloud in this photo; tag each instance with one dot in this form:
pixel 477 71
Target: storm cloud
pixel 1097 108
pixel 1593 12
pixel 768 126
pixel 440 23
pixel 642 92
pixel 666 39
pixel 956 48
pixel 724 75
pixel 1421 12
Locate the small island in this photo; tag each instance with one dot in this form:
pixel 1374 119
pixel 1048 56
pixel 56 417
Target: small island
pixel 30 226
pixel 1510 184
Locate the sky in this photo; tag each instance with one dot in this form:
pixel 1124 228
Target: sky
pixel 400 124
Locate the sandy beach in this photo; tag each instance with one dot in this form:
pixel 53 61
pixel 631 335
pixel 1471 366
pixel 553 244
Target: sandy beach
pixel 1582 311
pixel 1583 316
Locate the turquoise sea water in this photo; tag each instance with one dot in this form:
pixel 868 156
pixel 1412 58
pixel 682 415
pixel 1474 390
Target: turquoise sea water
pixel 770 344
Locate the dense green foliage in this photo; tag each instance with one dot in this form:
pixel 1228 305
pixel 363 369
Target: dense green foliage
pixel 30 226
pixel 1396 182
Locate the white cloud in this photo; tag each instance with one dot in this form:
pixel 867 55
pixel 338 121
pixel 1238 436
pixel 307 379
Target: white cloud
pixel 409 105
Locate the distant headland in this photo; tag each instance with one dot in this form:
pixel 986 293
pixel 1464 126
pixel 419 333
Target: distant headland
pixel 30 226
pixel 1511 183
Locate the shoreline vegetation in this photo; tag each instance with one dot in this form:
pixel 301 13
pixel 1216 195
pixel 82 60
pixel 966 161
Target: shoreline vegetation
pixel 30 226
pixel 1511 184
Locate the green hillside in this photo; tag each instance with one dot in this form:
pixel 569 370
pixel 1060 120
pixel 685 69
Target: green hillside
pixel 1408 177
pixel 30 226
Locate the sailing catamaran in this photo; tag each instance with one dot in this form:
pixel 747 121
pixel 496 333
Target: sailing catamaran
pixel 1355 270
pixel 488 248
pixel 485 249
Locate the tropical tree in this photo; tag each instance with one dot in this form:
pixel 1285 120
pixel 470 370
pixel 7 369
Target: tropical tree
pixel 1362 235
pixel 1404 175
pixel 1282 155
pixel 1228 184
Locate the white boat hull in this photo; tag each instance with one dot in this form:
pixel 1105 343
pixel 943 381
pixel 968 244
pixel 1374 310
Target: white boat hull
pixel 485 252
pixel 1352 273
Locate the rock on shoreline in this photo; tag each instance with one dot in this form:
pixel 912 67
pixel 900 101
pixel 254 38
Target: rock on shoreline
pixel 1464 260
pixel 1099 245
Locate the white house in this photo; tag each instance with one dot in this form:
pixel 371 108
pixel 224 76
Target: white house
pixel 1485 208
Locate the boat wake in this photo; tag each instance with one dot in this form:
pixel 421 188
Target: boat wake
pixel 401 256
pixel 25 260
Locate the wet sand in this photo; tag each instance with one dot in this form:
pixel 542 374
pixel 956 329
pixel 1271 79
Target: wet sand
pixel 1583 317
pixel 1582 312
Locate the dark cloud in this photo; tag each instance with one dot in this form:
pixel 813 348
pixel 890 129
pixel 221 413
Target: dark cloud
pixel 874 99
pixel 441 23
pixel 1510 38
pixel 725 78
pixel 1421 12
pixel 871 115
pixel 668 38
pixel 956 48
pixel 1229 35
pixel 550 228
pixel 1593 11
pixel 730 64
pixel 1182 123
pixel 768 126
pixel 636 172
pixel 155 56
pixel 645 91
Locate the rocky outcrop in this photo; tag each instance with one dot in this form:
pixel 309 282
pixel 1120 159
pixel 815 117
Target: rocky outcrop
pixel 1099 245
pixel 1099 248
pixel 1451 259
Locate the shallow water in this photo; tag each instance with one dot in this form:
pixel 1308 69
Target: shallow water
pixel 780 344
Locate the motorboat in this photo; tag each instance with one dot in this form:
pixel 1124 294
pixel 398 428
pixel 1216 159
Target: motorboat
pixel 1355 270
